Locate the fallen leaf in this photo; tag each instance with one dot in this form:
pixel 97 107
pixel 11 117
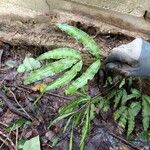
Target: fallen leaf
pixel 39 87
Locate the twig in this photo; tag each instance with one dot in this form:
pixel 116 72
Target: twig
pixel 50 93
pixel 124 141
pixel 38 98
pixel 7 139
pixel 19 104
pixel 12 107
pixel 6 143
pixel 4 124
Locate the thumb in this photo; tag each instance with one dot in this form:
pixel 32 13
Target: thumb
pixel 121 69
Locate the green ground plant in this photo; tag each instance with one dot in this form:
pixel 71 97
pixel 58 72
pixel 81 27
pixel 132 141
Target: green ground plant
pixel 79 113
pixel 64 59
pixel 127 102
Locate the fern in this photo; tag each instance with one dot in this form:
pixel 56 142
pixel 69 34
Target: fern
pixel 66 78
pixel 49 70
pixel 104 104
pixel 79 111
pixel 29 64
pixel 69 57
pixel 59 53
pixel 82 37
pixel 133 110
pixel 126 116
pixel 119 112
pixel 118 98
pixel 146 111
pixel 83 79
pixel 85 128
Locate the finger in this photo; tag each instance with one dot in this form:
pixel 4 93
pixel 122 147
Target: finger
pixel 120 68
pixel 127 70
pixel 122 58
pixel 139 72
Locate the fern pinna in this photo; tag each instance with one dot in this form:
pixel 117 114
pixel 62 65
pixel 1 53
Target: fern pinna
pixel 66 58
pixel 126 110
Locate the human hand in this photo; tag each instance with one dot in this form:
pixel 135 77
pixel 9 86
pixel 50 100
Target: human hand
pixel 131 59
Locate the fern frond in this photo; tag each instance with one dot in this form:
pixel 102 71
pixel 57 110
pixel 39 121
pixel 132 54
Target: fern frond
pixel 119 112
pixel 67 123
pixel 124 96
pixel 127 98
pixel 59 53
pixel 72 104
pixel 136 93
pixel 28 64
pixel 123 119
pixel 118 97
pixel 60 118
pixel 82 37
pixel 77 119
pixel 66 78
pixel 133 110
pixel 92 111
pixel 146 111
pixel 83 79
pixel 85 128
pixel 49 70
pixel 104 104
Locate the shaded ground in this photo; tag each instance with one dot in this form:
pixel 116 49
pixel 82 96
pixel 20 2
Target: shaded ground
pixel 105 134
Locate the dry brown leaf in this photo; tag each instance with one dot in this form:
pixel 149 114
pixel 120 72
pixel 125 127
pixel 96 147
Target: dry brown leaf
pixel 39 87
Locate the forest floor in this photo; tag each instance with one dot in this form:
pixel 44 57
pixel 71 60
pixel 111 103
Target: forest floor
pixel 19 120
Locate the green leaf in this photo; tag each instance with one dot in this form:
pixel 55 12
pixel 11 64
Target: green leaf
pixel 122 83
pixel 127 98
pixel 82 37
pixel 123 119
pixel 135 107
pixel 59 53
pixel 77 118
pixel 104 105
pixel 83 79
pixel 17 124
pixel 71 139
pixel 124 96
pixel 72 104
pixel 32 144
pixel 136 92
pixel 85 127
pixel 111 95
pixel 66 78
pixel 146 111
pixel 118 97
pixel 49 70
pixel 133 110
pixel 144 135
pixel 60 118
pixel 92 111
pixel 11 63
pixel 119 112
pixel 67 124
pixel 21 68
pixel 29 64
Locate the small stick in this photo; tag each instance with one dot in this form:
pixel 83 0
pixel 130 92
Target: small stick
pixel 12 107
pixel 7 139
pixel 19 104
pixel 6 143
pixel 124 141
pixel 50 93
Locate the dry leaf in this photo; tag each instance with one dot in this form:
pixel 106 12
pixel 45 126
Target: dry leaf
pixel 39 87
